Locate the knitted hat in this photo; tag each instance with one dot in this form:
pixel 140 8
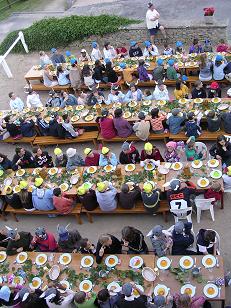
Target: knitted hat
pixel 40 232
pixel 58 151
pixel 159 301
pixel 171 62
pixel 71 152
pixel 148 146
pixel 160 61
pixel 171 144
pixel 104 112
pixel 81 190
pixel 107 60
pixel 105 150
pixel 179 44
pixel 179 227
pixel 53 50
pixel 214 85
pixel 157 230
pixel 125 146
pixel 87 151
pixel 133 43
pixel 219 58
pixel 23 184
pixel 8 190
pixel 175 111
pixel 127 289
pixel 63 233
pixel 102 186
pixel 11 233
pixel 174 184
pixel 94 44
pixel 83 50
pixel 147 43
pixel 114 88
pixel 38 182
pixel 216 186
pixel 148 187
pixel 68 53
pixel 5 293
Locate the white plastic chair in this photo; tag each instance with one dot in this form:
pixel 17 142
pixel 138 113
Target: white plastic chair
pixel 203 205
pixel 218 241
pixel 182 214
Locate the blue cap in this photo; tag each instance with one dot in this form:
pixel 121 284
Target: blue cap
pixel 73 61
pixel 179 44
pixel 5 293
pixel 122 65
pixel 171 62
pixel 184 78
pixel 147 44
pixel 219 58
pixel 68 53
pixel 160 61
pixel 133 43
pixel 94 44
pixel 53 50
pixel 107 60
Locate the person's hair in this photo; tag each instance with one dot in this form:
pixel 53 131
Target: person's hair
pixel 203 59
pixel 23 195
pixel 183 301
pixel 59 70
pixel 221 138
pixel 108 67
pixel 155 113
pixel 133 85
pixel 80 297
pixel 147 92
pixel 65 116
pixel 190 116
pixel 42 53
pixel 165 45
pixel 103 295
pixel 210 236
pixel 195 41
pixel 35 149
pixel 29 91
pixel 125 188
pixel 222 41
pixel 218 63
pixel 83 242
pixel 141 62
pixel 10 94
pixel 129 233
pixel 62 93
pixel 74 64
pixel 118 113
pixel 197 83
pixel 178 84
pixel 106 45
pixel 3 156
pixel 86 71
pixel 7 119
pixel 17 150
pixel 57 191
pixel 104 238
pixel 21 120
pixel 211 114
pixel 97 63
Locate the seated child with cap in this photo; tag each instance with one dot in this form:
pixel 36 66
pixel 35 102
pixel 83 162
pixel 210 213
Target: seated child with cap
pixel 171 155
pixel 150 49
pixel 128 196
pixel 171 71
pixel 106 196
pixel 60 158
pixel 142 128
pixel 179 48
pixel 161 241
pixel 107 158
pixel 192 152
pixel 121 50
pixel 207 46
pixel 218 67
pixel 92 157
pixel 175 121
pixel 159 72
pixel 150 153
pixel 213 121
pixel 195 47
pixel 151 197
pixel 87 197
pixel 68 57
pixel 62 203
pixel 214 191
pixel 96 53
pixel 215 90
pixel 191 126
pixel 135 50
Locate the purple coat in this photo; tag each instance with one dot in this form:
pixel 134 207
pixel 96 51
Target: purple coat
pixel 122 126
pixel 143 74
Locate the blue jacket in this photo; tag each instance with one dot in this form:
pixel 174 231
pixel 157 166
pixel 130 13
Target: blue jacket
pixel 174 123
pixel 28 129
pixel 71 101
pixel 104 161
pixel 139 95
pixel 42 199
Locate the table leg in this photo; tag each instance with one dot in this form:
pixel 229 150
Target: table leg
pixel 222 200
pixel 222 303
pixel 28 81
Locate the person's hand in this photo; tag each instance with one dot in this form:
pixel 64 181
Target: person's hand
pixel 101 251
pixel 224 148
pixel 218 157
pixel 19 249
pixel 19 161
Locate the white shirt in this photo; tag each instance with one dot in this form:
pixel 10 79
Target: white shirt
pixel 17 104
pixel 160 95
pixel 151 24
pixel 110 53
pixel 154 52
pixel 96 54
pixel 33 101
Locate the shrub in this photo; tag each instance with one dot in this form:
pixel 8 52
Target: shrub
pixel 59 32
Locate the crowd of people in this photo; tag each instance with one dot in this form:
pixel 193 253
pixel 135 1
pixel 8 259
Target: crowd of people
pixel 177 240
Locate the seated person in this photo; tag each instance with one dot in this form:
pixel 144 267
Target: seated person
pixel 143 73
pixel 4 134
pixel 104 299
pixel 171 71
pixel 181 91
pixel 99 72
pixel 218 67
pixel 43 241
pixel 195 47
pixel 215 90
pixel 60 158
pixel 33 99
pixel 151 198
pixel 226 121
pixel 87 197
pixel 128 196
pixel 54 100
pixel 13 129
pixel 49 78
pixel 109 51
pixel 161 91
pixel 86 247
pixel 135 50
pixel 198 91
pixel 115 96
pixel 157 121
pixel 222 150
pixel 87 75
pixel 84 57
pixel 55 127
pixel 27 127
pixel 5 163
pixel 107 244
pixel 214 191
pixel 18 241
pixel 133 241
pixel 168 50
pixel 42 158
pixel 185 300
pixel 129 154
pixel 73 159
pixel 70 132
pixel 22 159
pixel 222 46
pixel 171 155
pixel 159 72
pixel 62 76
pixel 92 157
pixel 206 242
pixel 227 178
pixel 150 49
pixel 62 202
pixel 161 241
pixel 107 129
pixel 213 121
pixel 44 59
pixel 175 121
pixel 207 46
pixel 68 241
pixel 106 196
pixel 67 99
pixel 42 197
pixel 82 299
pixel 110 74
pixel 129 300
pixel 122 126
pixel 107 158
pixel 95 97
pixel 182 238
pixel 179 48
pixel 150 152
pixel 147 95
pixel 134 94
pixel 142 127
pixel 192 152
pixel 25 196
pixel 192 129
pixel 12 198
pixel 121 51
pixel 96 53
pixel 57 57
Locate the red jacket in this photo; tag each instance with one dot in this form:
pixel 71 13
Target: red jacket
pixel 49 244
pixel 155 155
pixel 92 161
pixel 62 204
pixel 209 193
pixel 107 128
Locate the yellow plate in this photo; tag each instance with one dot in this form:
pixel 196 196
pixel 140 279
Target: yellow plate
pixel 80 107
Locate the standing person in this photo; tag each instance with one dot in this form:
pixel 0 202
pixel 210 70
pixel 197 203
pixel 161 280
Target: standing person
pixel 73 159
pixel 152 21
pixel 107 158
pixel 142 128
pixel 75 76
pixel 198 91
pixel 22 159
pixel 205 66
pixel 107 244
pixel 57 58
pixel 42 158
pixel 15 102
pixel 68 241
pixel 109 51
pixel 18 241
pixel 222 150
pixel 33 99
pixel 129 154
pixel 43 241
pixel 135 50
pixel 161 241
pixel 107 128
pixel 133 241
pixel 106 196
pixel 122 126
pixel 161 91
pixel 92 157
pixel 42 197
pixel 60 158
pixel 96 53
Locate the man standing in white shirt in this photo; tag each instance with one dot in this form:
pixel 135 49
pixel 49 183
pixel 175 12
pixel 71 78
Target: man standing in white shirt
pixel 15 102
pixel 152 20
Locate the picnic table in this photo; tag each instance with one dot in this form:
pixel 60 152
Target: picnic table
pixel 75 273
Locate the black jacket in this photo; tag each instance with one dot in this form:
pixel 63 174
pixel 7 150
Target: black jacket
pixel 138 245
pixel 27 161
pixel 111 75
pixel 182 241
pixel 135 52
pixel 56 129
pixel 225 155
pixel 28 129
pixel 199 93
pixel 214 124
pixel 14 201
pixel 98 72
pixel 6 164
pixel 132 157
pixel 72 242
pixel 45 160
pixel 151 201
pixel 226 119
pixel 24 242
pixel 128 200
pixel 115 248
pixel 89 200
pixel 14 130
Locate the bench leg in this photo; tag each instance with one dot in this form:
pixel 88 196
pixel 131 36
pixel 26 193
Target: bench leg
pixel 95 143
pixel 79 220
pixel 165 216
pixel 14 217
pixel 89 217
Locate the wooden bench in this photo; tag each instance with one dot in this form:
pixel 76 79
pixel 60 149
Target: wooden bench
pixel 39 86
pixel 205 136
pixel 22 140
pixel 193 79
pixel 85 137
pixel 138 209
pixel 14 212
pixel 105 86
pixel 133 137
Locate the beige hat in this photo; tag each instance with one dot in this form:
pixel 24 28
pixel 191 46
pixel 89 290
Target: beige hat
pixel 71 152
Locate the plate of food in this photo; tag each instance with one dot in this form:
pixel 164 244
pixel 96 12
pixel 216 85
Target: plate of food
pixel 161 290
pixel 223 107
pixel 64 186
pixel 183 101
pixel 3 256
pixel 198 100
pixel 7 182
pixel 16 189
pixel 163 263
pixel 135 292
pixel 54 272
pixel 188 289
pixel 89 118
pixel 85 286
pixel 114 287
pixel 213 163
pixel 65 284
pixel 41 259
pixel 127 114
pixel 79 107
pixel 69 108
pixel 55 109
pixel 53 171
pixel 65 258
pixel 47 119
pixel 177 166
pixel 75 118
pixel 130 167
pixel 74 179
pixel 216 174
pixel 162 103
pixel 186 262
pixel 211 290
pixel 149 166
pixel 132 104
pixel 136 262
pixel 26 110
pixel 203 182
pixel 36 283
pixel 36 171
pixel 21 257
pixel 40 109
pixel 109 168
pixel 87 261
pixel 20 172
pixel 197 164
pixel 117 105
pixel 30 188
pixel 216 100
pixel 18 280
pixel 147 103
pixel 209 261
pixel 130 185
pixel 111 261
pixel 91 169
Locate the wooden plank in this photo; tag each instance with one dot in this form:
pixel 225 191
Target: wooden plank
pixel 205 136
pixel 133 137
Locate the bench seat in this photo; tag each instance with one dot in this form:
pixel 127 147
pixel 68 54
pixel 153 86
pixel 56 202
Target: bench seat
pixel 138 209
pixel 22 140
pixel 104 85
pixel 205 136
pixel 36 86
pixel 50 140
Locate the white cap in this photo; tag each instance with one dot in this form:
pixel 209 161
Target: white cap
pixel 71 152
pixel 83 50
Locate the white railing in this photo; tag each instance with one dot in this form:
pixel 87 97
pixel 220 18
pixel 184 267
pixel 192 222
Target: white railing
pixel 2 58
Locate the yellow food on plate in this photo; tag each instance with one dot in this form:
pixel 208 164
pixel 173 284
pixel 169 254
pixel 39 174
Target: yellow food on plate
pixel 136 293
pixel 22 258
pixel 149 166
pixel 2 257
pixel 87 261
pixel 41 259
pixel 91 169
pixel 63 187
pixel 177 166
pixel 17 189
pixel 35 283
pixel 162 103
pixel 216 100
pixel 203 182
pixel 196 162
pixel 108 168
pixel 209 261
pixel 163 263
pixel 211 291
pixel 161 291
pixel 74 118
pixel 127 114
pixel 30 188
pixel 188 291
pixel 64 285
pixel 111 261
pixel 66 259
pixel 85 286
pixel 20 172
pixel 187 262
pixel 89 118
pixel 130 167
pixel 16 280
pixel 212 162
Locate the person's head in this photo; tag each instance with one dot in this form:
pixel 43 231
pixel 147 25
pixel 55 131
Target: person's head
pixel 133 44
pixel 179 44
pixel 105 240
pixel 114 90
pixel 108 66
pixel 94 45
pixel 155 113
pixel 166 46
pixel 151 6
pixel 128 233
pixel 148 187
pixel 127 289
pixel 160 85
pixel 191 142
pixel 80 297
pixel 66 118
pixel 133 87
pixel 125 147
pixel 88 152
pixel 191 116
pixel 42 53
pixel 52 295
pixel 12 95
pixel 211 114
pixel 147 44
pixel 57 192
pixel 198 85
pixel 216 186
pixel 103 295
pixel 214 86
pixel 102 186
pixel 104 113
pixel 20 151
pixel 178 85
pixel 118 113
pixel 7 119
pixel 184 300
pixel 97 63
pixel 37 151
pixel 2 157
pixel 141 62
pixel 83 53
pixel 218 60
pixel 147 92
pixel 71 152
pixel 40 233
pixel 58 152
pixel 54 50
pixel 195 42
pixel 160 62
pixel 148 147
pixel 63 233
pixel 157 231
pixel 73 62
pixel 64 94
pixel 86 70
pixel 105 151
pixel 210 236
pixel 23 185
pixel 171 146
pixel 85 243
pixel 222 41
pixel 12 234
pixel 179 227
pixel 175 112
pixel 38 182
pixel 175 184
pixel 52 93
pixel 125 188
pixel 59 69
pixel 107 45
pixel 159 301
pixel 141 115
pixel 221 140
pixel 8 190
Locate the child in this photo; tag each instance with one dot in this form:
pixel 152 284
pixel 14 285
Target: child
pixel 161 241
pixel 222 47
pixel 181 91
pixel 142 128
pixel 159 72
pixel 175 120
pixel 192 152
pixel 191 126
pixel 171 154
pixel 184 300
pixel 179 48
pixel 61 202
pixel 218 68
pixel 214 192
pixel 147 95
pixel 168 51
pixel 143 74
pixel 96 53
pixel 128 196
pixel 196 47
pixel 213 121
pixel 215 90
pixel 157 121
pixel 150 50
pixel 171 71
pixel 207 46
pixel 82 299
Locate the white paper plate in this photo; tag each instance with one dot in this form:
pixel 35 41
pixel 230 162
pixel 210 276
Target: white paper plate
pixel 64 186
pixel 209 261
pixel 74 179
pixel 208 290
pixel 216 100
pixel 188 289
pixel 136 262
pixel 203 185
pixel 85 286
pixel 177 166
pixel 132 104
pixel 36 283
pixel 186 262
pixel 36 171
pixel 130 167
pixel 21 257
pixel 3 256
pixel 161 289
pixel 223 106
pixel 149 167
pixel 114 288
pixel 216 174
pixel 198 100
pixel 18 280
pixel 54 272
pixel 66 284
pixel 65 258
pixel 213 163
pixel 87 261
pixel 79 107
pixel 41 259
pixel 197 164
pixel 148 274
pixel 163 263
pixel 111 261
pixel 16 189
pixel 7 182
pixel 109 168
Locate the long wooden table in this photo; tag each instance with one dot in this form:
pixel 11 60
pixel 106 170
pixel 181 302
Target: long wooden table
pixel 166 278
